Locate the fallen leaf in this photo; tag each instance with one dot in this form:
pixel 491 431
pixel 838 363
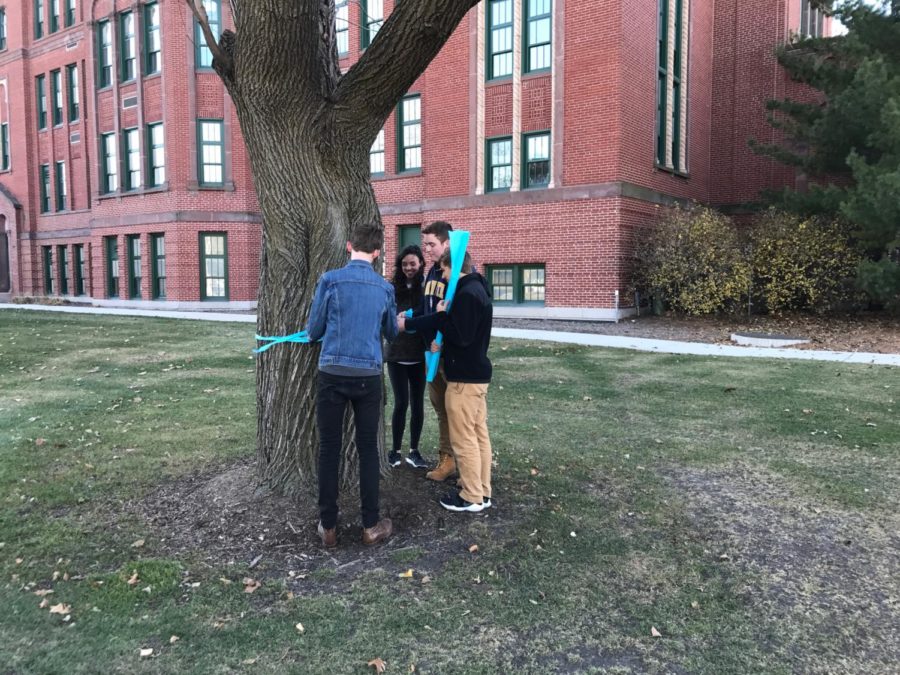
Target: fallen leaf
pixel 426 579
pixel 406 575
pixel 587 398
pixel 132 581
pixel 248 662
pixel 43 592
pixel 300 628
pixel 137 544
pixel 534 472
pixel 174 639
pixel 654 632
pixel 147 652
pixel 61 608
pixel 44 603
pixel 695 605
pixel 473 548
pixel 40 441
pixel 807 411
pixel 250 585
pixel 378 665
pixel 225 581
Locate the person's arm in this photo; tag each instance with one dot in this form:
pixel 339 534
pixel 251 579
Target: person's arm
pixel 389 318
pixel 318 313
pixel 460 324
pixel 427 323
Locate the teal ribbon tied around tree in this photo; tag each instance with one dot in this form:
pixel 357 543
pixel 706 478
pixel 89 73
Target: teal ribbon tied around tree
pixel 302 336
pixel 459 241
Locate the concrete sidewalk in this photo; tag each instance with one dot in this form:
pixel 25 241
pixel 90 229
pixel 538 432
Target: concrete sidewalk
pixel 588 339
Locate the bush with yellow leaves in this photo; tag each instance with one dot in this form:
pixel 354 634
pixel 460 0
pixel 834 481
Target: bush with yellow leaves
pixel 803 264
pixel 693 259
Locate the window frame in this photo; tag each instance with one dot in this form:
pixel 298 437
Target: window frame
pixel 518 283
pixel 203 259
pixel 44 180
pixel 342 35
pixel 109 179
pixel 134 261
pixel 374 151
pixel 105 54
pixel 200 48
pixel 73 93
pixel 366 23
pixel 402 124
pixel 78 264
pixel 69 16
pixel 53 18
pixel 526 42
pixel 39 19
pixel 5 155
pixel 56 96
pixel 127 46
pixel 131 157
pixel 41 93
pixel 157 292
pixel 152 167
pixel 526 160
pixel 48 270
pixel 62 257
pixel 489 165
pixel 3 28
pixel 490 73
pixel 152 61
pixel 60 186
pixel 200 146
pixel 113 273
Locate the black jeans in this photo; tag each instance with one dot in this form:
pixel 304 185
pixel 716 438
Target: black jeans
pixel 408 383
pixel 364 394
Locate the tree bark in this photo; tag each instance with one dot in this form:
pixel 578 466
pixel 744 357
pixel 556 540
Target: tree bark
pixel 308 131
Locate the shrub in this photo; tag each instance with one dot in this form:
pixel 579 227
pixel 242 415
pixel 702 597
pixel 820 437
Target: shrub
pixel 693 259
pixel 803 264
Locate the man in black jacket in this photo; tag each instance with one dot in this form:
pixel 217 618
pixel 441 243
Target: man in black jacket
pixel 467 336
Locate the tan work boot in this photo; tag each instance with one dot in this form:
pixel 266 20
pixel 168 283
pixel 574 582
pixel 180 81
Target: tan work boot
pixel 378 532
pixel 445 468
pixel 328 537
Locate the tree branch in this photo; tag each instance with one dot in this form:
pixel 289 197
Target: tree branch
pixel 219 54
pixel 407 42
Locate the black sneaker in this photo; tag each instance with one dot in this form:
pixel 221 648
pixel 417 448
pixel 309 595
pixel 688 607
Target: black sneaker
pixel 395 458
pixel 487 503
pixel 415 460
pixel 454 502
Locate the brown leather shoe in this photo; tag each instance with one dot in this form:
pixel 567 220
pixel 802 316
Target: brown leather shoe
pixel 445 468
pixel 378 532
pixel 328 537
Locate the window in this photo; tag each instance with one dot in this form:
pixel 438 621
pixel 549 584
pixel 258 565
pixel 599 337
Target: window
pixel 342 26
pixel 4 147
pixel 41 101
pixel 812 20
pixel 2 28
pixel 156 170
pixel 131 178
pixel 372 19
pixel 54 15
pixel 62 254
pixel 536 167
pixel 79 268
pixel 537 35
pixel 500 38
pixel 376 154
pixel 671 85
pixel 72 91
pixel 213 267
pixel 61 186
pixel 57 96
pixel 104 54
pixel 499 153
pixel 212 152
pixel 152 43
pixel 110 182
pixel 202 55
pixel 409 235
pixel 410 122
pixel 133 242
pixel 45 188
pixel 70 12
pixel 112 267
pixel 517 284
pixel 38 19
pixel 158 266
pixel 127 46
pixel 48 270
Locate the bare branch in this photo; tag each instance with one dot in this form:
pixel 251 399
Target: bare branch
pixel 218 53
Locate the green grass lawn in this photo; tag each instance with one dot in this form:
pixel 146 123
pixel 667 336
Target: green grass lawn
pixel 744 510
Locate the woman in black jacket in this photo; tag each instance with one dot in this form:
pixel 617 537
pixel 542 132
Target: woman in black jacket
pixel 405 358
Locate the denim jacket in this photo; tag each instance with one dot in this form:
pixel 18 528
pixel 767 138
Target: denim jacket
pixel 351 308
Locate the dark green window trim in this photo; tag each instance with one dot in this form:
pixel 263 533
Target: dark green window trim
pixel 538 35
pixel 152 40
pixel 498 164
pixel 211 152
pixel 202 56
pixel 131 153
pixel 662 94
pixel 60 185
pixel 104 53
pixel 38 19
pixel 54 15
pixel 677 162
pixel 72 92
pixel 62 255
pixel 372 12
pixel 342 26
pixel 41 93
pixel 2 28
pixel 70 13
pixel 48 270
pixel 78 250
pixel 517 284
pixel 110 166
pixel 112 266
pixel 213 266
pixel 409 133
pixel 127 47
pixel 45 188
pixel 56 97
pixel 499 61
pixel 158 266
pixel 156 155
pixel 133 245
pixel 536 169
pixel 4 146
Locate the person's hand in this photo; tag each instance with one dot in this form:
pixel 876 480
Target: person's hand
pixel 442 306
pixel 435 347
pixel 401 322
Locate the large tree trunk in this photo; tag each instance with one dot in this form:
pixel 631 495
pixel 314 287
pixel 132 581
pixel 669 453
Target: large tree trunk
pixel 308 131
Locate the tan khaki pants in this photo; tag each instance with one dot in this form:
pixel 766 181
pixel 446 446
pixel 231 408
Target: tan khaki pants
pixel 437 391
pixel 467 417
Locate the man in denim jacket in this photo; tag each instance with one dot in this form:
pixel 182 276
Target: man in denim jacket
pixel 352 306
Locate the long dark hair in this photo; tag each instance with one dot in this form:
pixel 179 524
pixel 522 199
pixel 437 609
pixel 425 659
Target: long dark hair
pixel 401 291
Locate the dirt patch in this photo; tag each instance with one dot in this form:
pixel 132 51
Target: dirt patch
pixel 874 333
pixel 222 517
pixel 827 579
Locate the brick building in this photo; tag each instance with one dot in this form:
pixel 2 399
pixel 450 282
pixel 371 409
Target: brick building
pixel 552 129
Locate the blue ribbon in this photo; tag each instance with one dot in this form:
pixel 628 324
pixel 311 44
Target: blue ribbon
pixel 459 240
pixel 302 336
